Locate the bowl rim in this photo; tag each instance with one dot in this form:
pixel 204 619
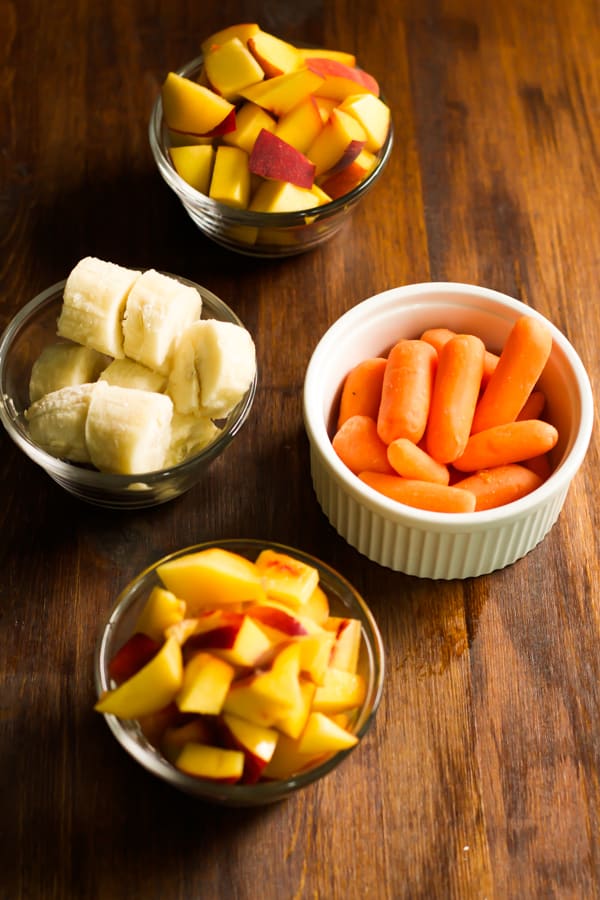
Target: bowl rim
pixel 262 792
pixel 247 217
pixel 395 511
pixel 90 478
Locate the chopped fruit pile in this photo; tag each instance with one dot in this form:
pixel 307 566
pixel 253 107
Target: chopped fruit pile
pixel 442 423
pixel 138 381
pixel 271 127
pixel 236 670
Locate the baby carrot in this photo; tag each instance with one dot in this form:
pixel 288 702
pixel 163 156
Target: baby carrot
pixel 533 406
pixel 500 485
pixel 455 393
pixel 521 363
pixel 421 494
pixel 359 446
pixel 412 461
pixel 361 393
pixel 406 391
pixel 511 442
pixel 437 337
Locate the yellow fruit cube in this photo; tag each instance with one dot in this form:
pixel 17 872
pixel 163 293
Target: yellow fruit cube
pixel 230 182
pixel 194 164
pixel 161 610
pixel 287 579
pixel 230 67
pixel 211 578
pixel 150 689
pixel 191 107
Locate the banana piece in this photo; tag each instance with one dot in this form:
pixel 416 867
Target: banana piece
pixel 131 374
pixel 189 435
pixel 128 431
pixel 158 309
pixel 57 422
pixel 64 365
pixel 213 367
pixel 226 365
pixel 94 303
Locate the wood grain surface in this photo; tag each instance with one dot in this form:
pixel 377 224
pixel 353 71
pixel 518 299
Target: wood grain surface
pixel 480 777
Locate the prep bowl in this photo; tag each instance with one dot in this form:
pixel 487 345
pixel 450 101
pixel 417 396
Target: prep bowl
pixel 428 544
pixel 33 328
pixel 344 600
pixel 252 233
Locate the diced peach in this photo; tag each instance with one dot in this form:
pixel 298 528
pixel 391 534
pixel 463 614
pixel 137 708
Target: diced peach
pixel 293 723
pixel 275 56
pixel 281 196
pixel 191 107
pixel 194 164
pixel 213 763
pixel 339 692
pixel 230 67
pixel 150 689
pixel 338 144
pixel 350 176
pixel 243 31
pixel 323 735
pixel 250 120
pixel 281 93
pixel 338 78
pixel 287 579
pixel 230 182
pixel 211 578
pixel 206 680
pixel 300 126
pixel 346 649
pixel 349 59
pixel 197 731
pixel 161 610
pixel 256 742
pixel 266 696
pixel 275 159
pixel 374 116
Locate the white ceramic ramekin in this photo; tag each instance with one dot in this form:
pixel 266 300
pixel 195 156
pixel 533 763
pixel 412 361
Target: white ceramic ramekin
pixel 421 543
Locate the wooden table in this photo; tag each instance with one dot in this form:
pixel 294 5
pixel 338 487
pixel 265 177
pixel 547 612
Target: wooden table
pixel 481 775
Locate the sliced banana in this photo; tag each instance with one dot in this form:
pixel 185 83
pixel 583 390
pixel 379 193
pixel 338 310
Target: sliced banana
pixel 213 367
pixel 159 308
pixel 57 422
pixel 128 431
pixel 132 374
pixel 64 364
pixel 94 303
pixel 189 435
pixel 226 365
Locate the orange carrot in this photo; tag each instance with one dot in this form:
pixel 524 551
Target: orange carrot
pixel 421 494
pixel 521 363
pixel 406 391
pixel 359 446
pixel 410 461
pixel 500 485
pixel 533 406
pixel 437 337
pixel 501 445
pixel 361 393
pixel 455 393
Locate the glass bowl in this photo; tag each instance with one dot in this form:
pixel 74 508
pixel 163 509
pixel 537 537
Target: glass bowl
pixel 344 600
pixel 252 233
pixel 414 541
pixel 32 329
